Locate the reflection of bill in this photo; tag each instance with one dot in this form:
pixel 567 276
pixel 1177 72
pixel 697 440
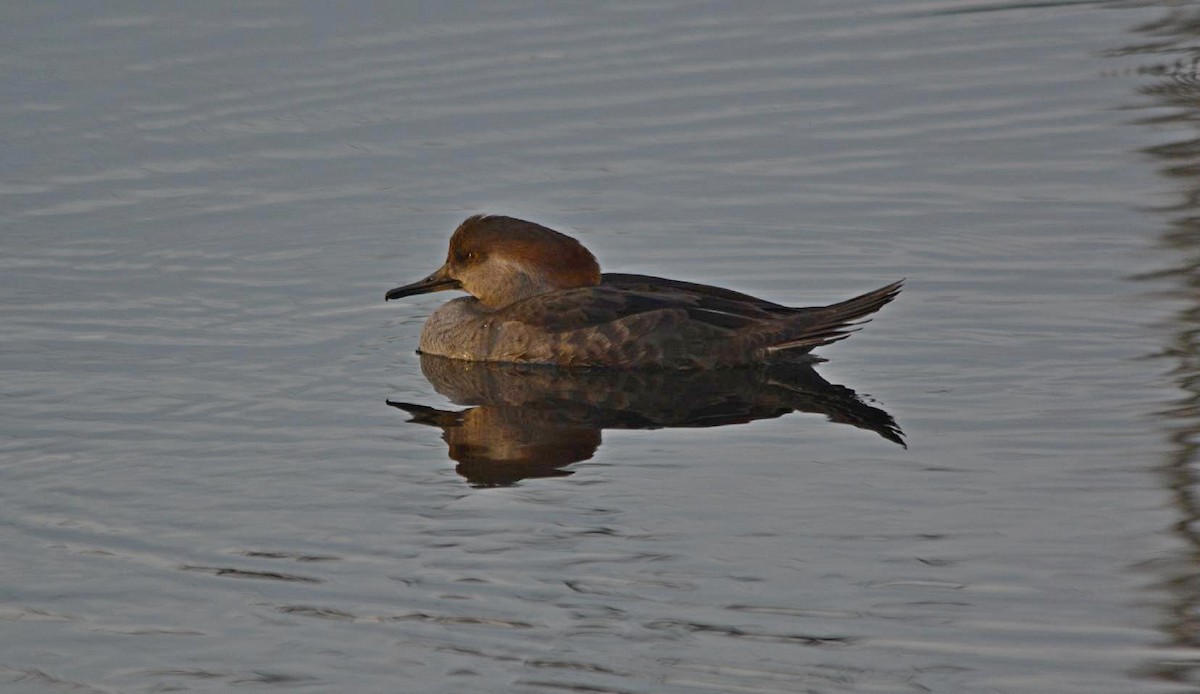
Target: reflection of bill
pixel 531 421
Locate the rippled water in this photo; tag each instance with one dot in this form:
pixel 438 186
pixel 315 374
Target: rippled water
pixel 209 480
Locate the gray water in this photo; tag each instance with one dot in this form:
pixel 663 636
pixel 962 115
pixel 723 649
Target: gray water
pixel 203 486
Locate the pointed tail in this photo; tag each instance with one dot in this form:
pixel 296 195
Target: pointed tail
pixel 814 327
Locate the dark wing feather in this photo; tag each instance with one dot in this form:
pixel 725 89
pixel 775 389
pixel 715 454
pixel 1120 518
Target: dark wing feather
pixel 586 307
pixel 705 295
pixel 573 309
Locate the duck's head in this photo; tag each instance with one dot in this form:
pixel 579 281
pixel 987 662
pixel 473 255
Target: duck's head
pixel 502 260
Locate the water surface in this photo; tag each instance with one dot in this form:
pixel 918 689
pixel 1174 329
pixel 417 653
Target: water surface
pixel 204 487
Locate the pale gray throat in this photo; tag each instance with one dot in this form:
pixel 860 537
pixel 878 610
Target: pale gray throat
pixel 512 281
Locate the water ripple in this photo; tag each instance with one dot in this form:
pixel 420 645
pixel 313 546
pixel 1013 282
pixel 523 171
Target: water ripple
pixel 203 208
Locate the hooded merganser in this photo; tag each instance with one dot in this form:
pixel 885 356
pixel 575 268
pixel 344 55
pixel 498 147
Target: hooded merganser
pixel 538 297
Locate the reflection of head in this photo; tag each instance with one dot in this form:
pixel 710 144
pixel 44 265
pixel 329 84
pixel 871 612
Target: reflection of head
pixel 502 445
pixel 511 438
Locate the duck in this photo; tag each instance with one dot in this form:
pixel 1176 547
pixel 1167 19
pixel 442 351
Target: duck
pixel 537 296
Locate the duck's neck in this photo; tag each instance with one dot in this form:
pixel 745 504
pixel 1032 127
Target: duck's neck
pixel 513 282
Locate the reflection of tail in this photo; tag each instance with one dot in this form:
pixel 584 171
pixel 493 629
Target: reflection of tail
pixel 812 393
pixel 813 327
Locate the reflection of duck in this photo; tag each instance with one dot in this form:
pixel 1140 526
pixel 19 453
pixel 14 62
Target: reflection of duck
pixel 531 421
pixel 537 297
